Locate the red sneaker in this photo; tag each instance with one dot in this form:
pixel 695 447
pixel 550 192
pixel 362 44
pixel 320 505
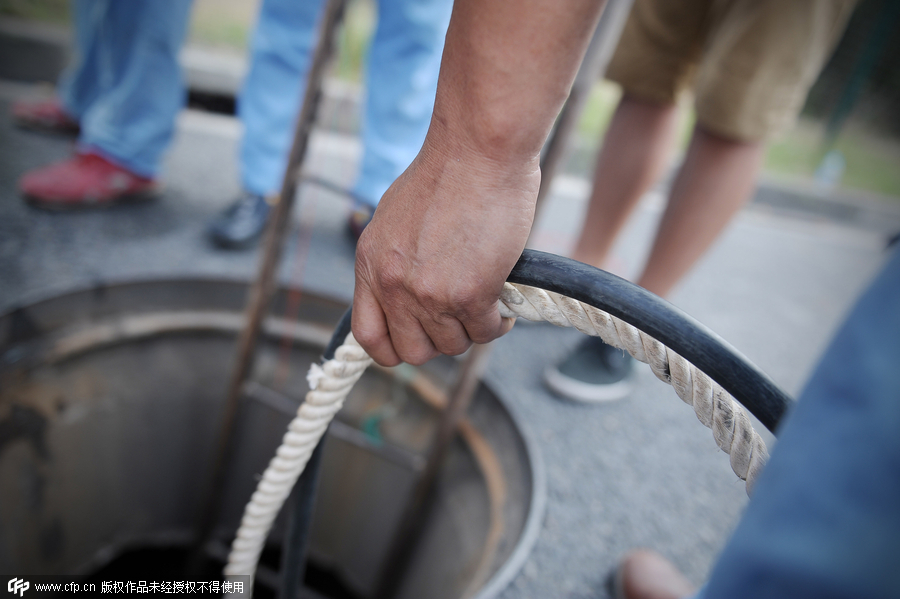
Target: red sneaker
pixel 44 115
pixel 84 180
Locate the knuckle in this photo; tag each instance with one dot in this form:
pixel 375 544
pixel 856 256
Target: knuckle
pixel 470 302
pixel 392 277
pixel 479 318
pixel 428 290
pixel 367 340
pixel 482 336
pixel 387 361
pixel 417 357
pixel 484 327
pixel 364 253
pixel 432 301
pixel 455 348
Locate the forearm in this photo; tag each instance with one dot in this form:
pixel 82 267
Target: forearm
pixel 507 70
pixel 431 265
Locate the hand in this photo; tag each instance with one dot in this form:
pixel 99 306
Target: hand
pixel 431 264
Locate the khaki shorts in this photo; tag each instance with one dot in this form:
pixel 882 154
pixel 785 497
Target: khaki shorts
pixel 750 62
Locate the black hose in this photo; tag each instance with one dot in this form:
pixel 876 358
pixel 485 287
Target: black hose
pixel 652 315
pixel 293 562
pixel 340 333
pixel 662 321
pixel 632 304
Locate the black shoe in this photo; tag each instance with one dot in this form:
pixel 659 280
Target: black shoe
pixel 242 223
pixel 359 219
pixel 593 372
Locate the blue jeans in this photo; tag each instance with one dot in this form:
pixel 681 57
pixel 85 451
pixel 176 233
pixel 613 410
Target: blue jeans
pixel 403 64
pixel 824 521
pixel 125 87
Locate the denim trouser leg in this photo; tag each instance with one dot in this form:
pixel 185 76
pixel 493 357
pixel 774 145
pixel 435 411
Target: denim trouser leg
pixel 127 88
pixel 283 44
pixel 79 84
pixel 402 75
pixel 824 521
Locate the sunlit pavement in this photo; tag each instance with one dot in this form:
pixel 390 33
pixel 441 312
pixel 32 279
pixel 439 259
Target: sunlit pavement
pixel 640 472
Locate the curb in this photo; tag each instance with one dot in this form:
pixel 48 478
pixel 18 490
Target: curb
pixel 860 208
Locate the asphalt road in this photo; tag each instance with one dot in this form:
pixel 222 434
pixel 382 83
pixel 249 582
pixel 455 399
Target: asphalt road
pixel 640 472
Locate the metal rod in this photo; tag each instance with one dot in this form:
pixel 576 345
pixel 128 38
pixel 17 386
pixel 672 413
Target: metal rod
pixel 598 54
pixel 421 500
pixel 263 288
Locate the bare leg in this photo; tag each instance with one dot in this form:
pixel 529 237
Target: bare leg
pixel 716 179
pixel 634 154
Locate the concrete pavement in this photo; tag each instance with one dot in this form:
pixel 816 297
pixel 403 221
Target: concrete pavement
pixel 641 472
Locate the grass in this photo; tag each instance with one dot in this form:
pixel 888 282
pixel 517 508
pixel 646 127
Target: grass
pixel 225 24
pixel 871 161
pixel 50 11
pixel 354 39
pixel 229 24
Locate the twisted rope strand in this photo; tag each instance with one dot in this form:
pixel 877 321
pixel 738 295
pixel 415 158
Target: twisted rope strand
pixel 331 383
pixel 329 386
pixel 714 407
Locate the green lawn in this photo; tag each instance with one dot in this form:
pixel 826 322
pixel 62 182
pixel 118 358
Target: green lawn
pixel 871 161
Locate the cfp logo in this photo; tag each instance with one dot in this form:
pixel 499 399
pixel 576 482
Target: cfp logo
pixel 18 586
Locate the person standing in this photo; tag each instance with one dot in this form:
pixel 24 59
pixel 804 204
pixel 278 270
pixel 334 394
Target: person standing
pixel 121 96
pixel 401 78
pixel 749 64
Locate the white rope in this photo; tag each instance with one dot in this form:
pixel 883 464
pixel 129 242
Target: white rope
pixel 715 407
pixel 329 385
pixel 331 382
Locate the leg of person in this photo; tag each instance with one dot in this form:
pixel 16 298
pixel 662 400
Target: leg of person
pixel 283 43
pixel 825 517
pixel 401 81
pixel 635 151
pixel 80 84
pixel 759 62
pixel 653 63
pixel 824 521
pixel 133 121
pixel 633 155
pixel 716 179
pixel 128 125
